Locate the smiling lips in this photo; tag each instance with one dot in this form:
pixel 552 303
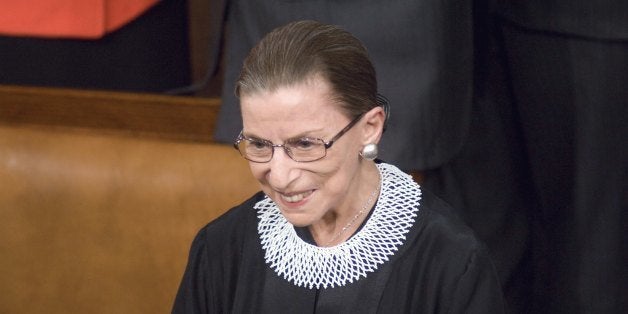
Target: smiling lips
pixel 294 198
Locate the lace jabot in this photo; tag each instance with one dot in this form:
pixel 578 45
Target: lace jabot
pixel 307 265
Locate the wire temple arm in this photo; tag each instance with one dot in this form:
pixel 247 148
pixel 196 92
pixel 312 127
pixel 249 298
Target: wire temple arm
pixel 383 102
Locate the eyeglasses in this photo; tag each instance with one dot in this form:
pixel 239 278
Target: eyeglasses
pixel 304 149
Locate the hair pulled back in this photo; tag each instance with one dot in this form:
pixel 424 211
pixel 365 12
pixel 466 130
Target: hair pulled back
pixel 299 51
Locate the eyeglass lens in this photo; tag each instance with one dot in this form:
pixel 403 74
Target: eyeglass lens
pixel 302 149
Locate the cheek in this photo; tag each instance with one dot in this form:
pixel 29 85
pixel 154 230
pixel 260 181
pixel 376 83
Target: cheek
pixel 336 177
pixel 332 174
pixel 259 173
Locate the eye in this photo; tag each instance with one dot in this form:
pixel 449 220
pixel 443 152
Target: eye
pixel 256 144
pixel 304 143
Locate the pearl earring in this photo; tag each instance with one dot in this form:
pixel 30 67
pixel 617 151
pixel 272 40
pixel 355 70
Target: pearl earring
pixel 369 151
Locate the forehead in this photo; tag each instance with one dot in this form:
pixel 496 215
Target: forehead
pixel 302 107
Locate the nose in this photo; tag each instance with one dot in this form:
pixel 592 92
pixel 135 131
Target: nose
pixel 282 170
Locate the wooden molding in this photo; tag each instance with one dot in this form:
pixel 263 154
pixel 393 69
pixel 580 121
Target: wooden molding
pixel 167 117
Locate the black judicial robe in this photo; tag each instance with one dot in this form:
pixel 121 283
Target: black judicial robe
pixel 450 108
pixel 440 268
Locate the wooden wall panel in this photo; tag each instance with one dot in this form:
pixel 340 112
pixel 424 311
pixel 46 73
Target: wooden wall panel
pixel 98 209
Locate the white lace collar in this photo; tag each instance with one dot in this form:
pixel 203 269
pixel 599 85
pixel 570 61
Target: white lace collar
pixel 307 265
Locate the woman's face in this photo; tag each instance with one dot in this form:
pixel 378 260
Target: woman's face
pixel 307 193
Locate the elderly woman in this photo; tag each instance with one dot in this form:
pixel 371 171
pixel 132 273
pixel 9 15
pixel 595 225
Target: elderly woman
pixel 334 230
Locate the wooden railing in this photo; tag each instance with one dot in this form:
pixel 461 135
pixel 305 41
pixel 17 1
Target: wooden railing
pixel 168 117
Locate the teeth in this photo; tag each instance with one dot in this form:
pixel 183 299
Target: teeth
pixel 296 197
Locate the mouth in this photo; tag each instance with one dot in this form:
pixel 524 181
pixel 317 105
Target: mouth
pixel 295 197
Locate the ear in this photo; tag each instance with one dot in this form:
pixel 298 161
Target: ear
pixel 373 125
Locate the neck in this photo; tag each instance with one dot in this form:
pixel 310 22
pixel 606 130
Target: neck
pixel 336 227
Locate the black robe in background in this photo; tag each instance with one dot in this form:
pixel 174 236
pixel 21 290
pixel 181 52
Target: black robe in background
pixel 567 64
pixel 440 268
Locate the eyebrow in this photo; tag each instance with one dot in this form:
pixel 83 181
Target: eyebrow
pixel 292 138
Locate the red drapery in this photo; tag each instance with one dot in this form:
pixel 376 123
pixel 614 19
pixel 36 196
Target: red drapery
pixel 87 19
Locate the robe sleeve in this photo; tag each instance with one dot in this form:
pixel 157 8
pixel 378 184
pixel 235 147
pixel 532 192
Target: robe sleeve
pixel 210 280
pixel 192 294
pixel 478 290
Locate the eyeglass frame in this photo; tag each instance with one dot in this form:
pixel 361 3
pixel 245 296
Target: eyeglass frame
pixel 327 144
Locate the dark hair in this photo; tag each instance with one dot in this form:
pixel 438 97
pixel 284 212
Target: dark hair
pixel 298 51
